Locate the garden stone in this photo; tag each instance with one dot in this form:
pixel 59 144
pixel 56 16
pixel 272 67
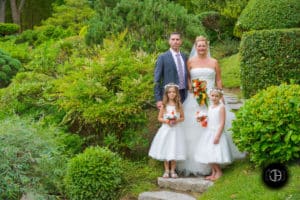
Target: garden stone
pixel 186 184
pixel 164 195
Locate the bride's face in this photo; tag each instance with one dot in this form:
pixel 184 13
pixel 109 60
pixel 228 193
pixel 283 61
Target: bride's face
pixel 201 47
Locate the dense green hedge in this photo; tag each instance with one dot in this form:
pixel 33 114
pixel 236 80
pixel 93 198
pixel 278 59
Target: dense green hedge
pixel 268 125
pixel 269 57
pixel 8 28
pixel 95 174
pixel 268 14
pixel 8 68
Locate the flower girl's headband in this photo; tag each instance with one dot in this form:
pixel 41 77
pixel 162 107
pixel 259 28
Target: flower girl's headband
pixel 219 90
pixel 171 85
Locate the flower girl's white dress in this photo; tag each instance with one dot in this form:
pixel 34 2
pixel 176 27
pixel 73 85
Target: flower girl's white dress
pixel 193 131
pixel 208 152
pixel 168 143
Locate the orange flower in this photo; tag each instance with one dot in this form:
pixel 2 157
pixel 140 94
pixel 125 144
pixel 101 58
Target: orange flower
pixel 199 89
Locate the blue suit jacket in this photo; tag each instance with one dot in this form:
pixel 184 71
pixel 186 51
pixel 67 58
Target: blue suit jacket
pixel 166 72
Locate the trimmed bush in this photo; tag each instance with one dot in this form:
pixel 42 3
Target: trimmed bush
pixel 8 68
pixel 268 14
pixel 95 174
pixel 269 57
pixel 8 28
pixel 267 126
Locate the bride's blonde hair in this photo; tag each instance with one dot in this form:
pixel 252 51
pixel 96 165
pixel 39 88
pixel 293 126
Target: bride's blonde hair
pixel 201 38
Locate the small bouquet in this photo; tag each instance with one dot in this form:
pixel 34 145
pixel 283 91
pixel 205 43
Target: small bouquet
pixel 199 90
pixel 171 117
pixel 201 118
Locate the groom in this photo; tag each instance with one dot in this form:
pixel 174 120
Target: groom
pixel 171 67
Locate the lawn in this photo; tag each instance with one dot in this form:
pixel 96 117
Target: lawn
pixel 230 69
pixel 242 181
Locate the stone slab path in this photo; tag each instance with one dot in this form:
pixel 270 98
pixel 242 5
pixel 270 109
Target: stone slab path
pixel 186 188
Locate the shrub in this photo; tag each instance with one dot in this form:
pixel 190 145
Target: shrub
pixel 268 125
pixel 269 57
pixel 25 96
pixel 147 21
pixel 17 51
pixel 29 36
pixel 211 21
pixel 268 14
pixel 8 68
pixel 33 158
pixel 94 174
pixel 108 97
pixel 8 29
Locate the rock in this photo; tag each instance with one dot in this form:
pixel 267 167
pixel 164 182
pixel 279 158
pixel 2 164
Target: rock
pixel 164 195
pixel 189 184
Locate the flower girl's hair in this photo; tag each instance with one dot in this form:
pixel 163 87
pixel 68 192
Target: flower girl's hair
pixel 218 90
pixel 177 98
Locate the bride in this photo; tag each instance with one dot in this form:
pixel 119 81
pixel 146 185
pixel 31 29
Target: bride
pixel 202 67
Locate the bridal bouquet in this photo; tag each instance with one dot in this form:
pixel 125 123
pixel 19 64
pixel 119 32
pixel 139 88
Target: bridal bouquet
pixel 201 118
pixel 199 90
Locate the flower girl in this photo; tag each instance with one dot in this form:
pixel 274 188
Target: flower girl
pixel 214 148
pixel 168 144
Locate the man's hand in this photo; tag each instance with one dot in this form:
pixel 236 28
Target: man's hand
pixel 159 104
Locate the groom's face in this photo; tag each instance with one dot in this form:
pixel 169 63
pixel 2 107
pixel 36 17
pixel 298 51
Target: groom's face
pixel 175 42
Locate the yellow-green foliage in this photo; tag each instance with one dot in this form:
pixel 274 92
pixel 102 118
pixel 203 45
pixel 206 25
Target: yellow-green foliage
pixel 110 94
pixel 267 126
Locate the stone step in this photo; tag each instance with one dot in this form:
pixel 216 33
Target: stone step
pixel 186 184
pixel 232 101
pixel 164 195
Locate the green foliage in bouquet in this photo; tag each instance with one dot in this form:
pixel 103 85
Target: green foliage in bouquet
pixel 269 57
pixel 8 68
pixel 268 14
pixel 149 24
pixel 108 97
pixel 33 158
pixel 267 126
pixel 96 173
pixel 8 29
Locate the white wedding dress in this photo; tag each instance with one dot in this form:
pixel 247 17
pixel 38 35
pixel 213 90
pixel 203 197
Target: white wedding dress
pixel 193 131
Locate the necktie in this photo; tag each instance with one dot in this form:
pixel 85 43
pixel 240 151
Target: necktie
pixel 180 71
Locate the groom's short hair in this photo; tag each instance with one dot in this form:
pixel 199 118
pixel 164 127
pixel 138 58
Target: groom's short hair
pixel 175 33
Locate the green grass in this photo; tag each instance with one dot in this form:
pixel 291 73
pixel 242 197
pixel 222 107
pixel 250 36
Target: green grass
pixel 230 69
pixel 141 176
pixel 242 181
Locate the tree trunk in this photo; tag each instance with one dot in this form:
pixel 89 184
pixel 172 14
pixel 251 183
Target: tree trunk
pixel 15 11
pixel 2 10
